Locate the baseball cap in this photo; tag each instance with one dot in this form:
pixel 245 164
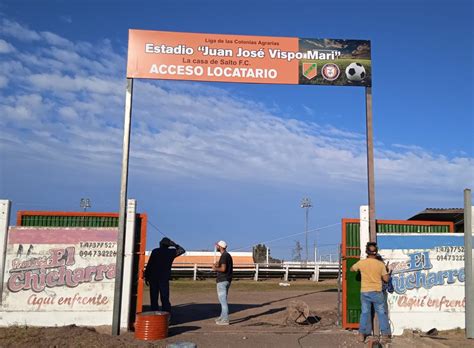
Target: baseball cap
pixel 222 244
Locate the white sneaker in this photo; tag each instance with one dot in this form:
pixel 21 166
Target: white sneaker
pixel 222 322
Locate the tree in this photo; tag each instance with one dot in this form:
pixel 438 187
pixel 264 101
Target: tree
pixel 260 253
pixel 297 251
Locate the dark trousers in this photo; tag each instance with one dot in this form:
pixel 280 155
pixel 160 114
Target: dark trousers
pixel 160 287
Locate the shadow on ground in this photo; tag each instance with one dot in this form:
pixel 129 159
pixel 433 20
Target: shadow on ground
pixel 191 312
pixel 195 312
pixel 253 316
pixel 178 330
pixel 329 290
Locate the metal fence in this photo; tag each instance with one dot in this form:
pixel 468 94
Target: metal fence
pixel 258 271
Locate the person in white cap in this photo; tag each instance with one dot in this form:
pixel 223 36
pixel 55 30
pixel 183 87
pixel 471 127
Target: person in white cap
pixel 224 268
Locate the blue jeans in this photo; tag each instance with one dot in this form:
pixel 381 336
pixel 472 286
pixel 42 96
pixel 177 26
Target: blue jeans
pixel 222 291
pixel 377 299
pixel 160 287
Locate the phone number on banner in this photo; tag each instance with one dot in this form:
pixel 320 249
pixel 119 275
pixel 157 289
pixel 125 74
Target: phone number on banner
pixel 97 253
pixel 98 245
pixel 450 253
pixel 450 249
pixel 447 257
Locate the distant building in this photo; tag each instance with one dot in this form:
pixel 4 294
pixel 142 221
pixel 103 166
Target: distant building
pixel 455 215
pixel 207 258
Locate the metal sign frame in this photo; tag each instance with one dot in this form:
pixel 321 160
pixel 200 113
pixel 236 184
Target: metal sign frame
pixel 124 187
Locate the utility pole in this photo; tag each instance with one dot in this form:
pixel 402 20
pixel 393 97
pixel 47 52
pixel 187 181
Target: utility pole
pixel 315 253
pixel 306 204
pixel 370 163
pixel 123 209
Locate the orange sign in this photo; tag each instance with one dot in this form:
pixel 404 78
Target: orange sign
pixel 238 58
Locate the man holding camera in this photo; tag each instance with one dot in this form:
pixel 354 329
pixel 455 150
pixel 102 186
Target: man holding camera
pixel 373 272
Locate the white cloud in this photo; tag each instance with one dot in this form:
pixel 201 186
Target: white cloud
pixel 3 81
pixel 55 40
pixel 308 110
pixel 56 82
pixel 422 169
pixel 70 101
pixel 66 19
pixel 6 47
pixel 24 110
pixel 68 112
pixel 21 32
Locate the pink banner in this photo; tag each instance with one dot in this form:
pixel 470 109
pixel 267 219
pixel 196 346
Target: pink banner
pixel 72 235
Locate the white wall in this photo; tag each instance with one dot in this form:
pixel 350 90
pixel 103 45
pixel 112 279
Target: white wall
pixel 428 277
pixel 364 229
pixel 75 289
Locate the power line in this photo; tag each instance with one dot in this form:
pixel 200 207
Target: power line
pixel 246 247
pixel 289 236
pixel 156 227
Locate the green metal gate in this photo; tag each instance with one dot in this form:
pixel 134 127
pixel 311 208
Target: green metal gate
pixel 351 305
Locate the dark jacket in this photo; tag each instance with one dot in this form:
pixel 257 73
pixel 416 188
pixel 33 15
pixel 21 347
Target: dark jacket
pixel 160 261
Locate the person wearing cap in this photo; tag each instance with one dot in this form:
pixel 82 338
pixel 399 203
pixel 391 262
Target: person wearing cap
pixel 373 273
pixel 158 273
pixel 224 268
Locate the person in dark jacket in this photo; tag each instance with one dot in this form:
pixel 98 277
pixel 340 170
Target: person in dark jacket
pixel 158 273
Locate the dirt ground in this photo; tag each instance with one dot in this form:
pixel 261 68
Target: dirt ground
pixel 259 318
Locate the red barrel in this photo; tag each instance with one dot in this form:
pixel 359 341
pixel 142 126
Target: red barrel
pixel 151 326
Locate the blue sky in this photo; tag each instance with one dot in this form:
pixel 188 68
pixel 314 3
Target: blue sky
pixel 216 161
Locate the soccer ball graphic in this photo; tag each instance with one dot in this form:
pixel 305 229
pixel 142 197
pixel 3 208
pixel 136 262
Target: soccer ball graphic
pixel 355 72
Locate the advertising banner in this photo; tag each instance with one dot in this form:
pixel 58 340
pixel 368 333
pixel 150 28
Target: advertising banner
pixel 60 269
pixel 428 281
pixel 248 59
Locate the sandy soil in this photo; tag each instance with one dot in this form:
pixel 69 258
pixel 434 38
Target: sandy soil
pixel 258 319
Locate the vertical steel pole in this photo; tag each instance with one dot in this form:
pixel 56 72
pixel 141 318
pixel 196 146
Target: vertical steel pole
pixel 370 162
pixel 339 280
pixel 123 207
pixel 370 179
pixel 315 253
pixel 469 280
pixel 5 208
pixel 306 234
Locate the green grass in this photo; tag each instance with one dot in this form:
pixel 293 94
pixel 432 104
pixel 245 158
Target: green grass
pixel 184 285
